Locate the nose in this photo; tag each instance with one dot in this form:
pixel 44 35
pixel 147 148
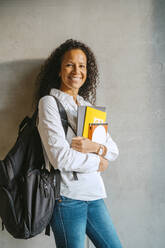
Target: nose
pixel 76 69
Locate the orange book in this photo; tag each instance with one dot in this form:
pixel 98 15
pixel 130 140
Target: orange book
pixel 98 132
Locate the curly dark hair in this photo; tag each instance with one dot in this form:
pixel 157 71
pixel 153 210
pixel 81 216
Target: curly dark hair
pixel 48 76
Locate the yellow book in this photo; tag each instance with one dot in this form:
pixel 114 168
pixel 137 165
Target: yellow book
pixel 93 116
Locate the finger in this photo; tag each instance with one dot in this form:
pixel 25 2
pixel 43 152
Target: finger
pixel 76 149
pixel 75 146
pixel 75 143
pixel 77 138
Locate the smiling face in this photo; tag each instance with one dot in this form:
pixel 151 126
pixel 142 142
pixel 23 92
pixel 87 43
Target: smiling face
pixel 73 71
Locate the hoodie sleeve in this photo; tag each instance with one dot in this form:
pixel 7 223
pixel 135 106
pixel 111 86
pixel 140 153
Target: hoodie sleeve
pixel 58 150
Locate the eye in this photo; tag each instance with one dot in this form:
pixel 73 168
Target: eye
pixel 82 66
pixel 69 65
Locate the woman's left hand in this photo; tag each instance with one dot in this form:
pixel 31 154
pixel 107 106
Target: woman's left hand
pixel 84 145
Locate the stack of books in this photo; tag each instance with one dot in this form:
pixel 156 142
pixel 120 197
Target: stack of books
pixel 91 123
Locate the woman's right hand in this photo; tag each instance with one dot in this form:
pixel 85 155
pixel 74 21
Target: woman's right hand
pixel 103 164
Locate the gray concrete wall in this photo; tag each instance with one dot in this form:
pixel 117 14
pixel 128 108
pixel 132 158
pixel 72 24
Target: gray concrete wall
pixel 128 40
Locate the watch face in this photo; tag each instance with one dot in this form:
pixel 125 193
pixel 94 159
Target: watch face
pixel 101 151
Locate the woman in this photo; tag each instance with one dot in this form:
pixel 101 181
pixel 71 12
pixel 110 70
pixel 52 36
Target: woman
pixel 71 75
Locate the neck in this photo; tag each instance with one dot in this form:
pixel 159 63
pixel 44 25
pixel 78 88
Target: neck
pixel 71 92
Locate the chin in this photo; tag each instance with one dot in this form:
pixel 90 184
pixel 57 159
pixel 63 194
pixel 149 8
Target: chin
pixel 76 86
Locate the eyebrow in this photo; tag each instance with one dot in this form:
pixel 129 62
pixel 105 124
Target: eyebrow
pixel 72 61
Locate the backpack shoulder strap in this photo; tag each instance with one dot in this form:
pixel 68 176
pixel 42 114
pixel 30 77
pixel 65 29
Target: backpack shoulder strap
pixel 63 115
pixel 65 124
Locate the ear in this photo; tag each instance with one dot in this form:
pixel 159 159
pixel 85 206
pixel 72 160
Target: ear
pixel 59 74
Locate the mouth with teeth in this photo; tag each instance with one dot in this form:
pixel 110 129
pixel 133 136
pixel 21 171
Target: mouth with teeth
pixel 75 78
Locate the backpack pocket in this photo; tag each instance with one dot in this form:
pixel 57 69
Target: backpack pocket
pixel 39 200
pixel 7 209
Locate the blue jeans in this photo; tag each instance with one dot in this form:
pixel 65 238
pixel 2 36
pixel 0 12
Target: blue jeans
pixel 72 219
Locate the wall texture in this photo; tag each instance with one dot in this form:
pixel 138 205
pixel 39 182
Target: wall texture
pixel 128 39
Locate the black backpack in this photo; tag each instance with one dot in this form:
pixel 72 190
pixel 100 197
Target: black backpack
pixel 27 189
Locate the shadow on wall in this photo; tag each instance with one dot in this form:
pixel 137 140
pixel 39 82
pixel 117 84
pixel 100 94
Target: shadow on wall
pixel 16 96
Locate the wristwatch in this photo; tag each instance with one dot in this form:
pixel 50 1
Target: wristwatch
pixel 101 150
